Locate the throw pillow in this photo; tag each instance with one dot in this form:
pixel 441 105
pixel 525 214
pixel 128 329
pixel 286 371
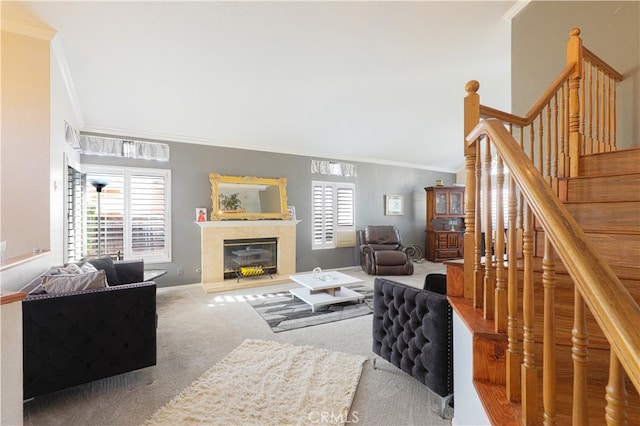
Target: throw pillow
pixel 87 267
pixel 64 283
pixel 70 269
pixel 106 264
pixel 35 285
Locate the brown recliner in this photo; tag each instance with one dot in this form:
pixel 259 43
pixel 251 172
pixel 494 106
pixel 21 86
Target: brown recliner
pixel 382 252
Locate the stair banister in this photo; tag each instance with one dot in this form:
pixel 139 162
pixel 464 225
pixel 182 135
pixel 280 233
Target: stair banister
pixel 612 306
pixel 538 106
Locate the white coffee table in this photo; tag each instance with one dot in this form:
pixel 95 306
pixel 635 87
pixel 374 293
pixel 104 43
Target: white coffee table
pixel 326 288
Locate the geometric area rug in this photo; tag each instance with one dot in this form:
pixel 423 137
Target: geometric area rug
pixel 282 312
pixel 269 383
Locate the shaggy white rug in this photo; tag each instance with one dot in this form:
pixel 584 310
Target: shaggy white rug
pixel 269 383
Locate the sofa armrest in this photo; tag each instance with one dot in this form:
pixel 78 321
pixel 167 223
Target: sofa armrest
pixel 129 271
pixel 78 337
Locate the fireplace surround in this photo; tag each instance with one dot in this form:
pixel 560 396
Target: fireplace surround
pixel 213 236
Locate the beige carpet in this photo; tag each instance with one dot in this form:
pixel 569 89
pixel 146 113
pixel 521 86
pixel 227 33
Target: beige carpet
pixel 269 383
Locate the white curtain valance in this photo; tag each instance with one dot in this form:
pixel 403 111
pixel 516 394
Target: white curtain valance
pixel 94 145
pixel 71 135
pixel 97 145
pixel 146 150
pixel 326 167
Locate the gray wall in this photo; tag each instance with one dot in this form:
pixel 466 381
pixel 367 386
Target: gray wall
pixel 610 29
pixel 191 164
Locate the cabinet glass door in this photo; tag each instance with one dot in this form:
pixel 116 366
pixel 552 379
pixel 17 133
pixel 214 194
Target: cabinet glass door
pixel 441 203
pixel 456 203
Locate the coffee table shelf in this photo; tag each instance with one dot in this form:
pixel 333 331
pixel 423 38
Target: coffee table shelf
pixel 328 290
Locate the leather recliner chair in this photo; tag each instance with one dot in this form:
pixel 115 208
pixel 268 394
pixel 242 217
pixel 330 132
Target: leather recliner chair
pixel 382 252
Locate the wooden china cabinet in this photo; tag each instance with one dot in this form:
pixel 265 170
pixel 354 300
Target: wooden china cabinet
pixel 445 223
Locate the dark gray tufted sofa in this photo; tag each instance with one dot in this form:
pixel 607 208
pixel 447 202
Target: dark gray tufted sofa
pixel 77 337
pixel 413 330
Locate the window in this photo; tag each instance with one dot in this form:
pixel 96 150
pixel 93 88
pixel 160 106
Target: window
pixel 135 219
pixel 333 212
pixel 75 225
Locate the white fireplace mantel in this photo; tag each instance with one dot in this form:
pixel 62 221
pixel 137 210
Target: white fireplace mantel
pixel 213 235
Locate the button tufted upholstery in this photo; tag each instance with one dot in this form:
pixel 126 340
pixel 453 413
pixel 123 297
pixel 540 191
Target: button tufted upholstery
pixel 413 330
pixel 78 337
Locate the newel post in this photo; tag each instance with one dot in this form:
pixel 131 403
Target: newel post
pixel 574 55
pixel 471 119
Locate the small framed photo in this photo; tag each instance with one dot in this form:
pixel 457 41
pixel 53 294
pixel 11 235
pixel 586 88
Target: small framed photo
pixel 393 205
pixel 201 214
pixel 292 212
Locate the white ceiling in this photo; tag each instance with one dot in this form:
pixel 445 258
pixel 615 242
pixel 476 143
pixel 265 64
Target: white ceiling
pixel 379 82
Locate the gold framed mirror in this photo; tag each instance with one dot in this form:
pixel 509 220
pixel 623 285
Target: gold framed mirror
pixel 248 198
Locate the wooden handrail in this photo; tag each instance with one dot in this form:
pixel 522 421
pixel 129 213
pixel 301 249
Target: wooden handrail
pixel 595 59
pixel 612 306
pixel 7 297
pixel 537 107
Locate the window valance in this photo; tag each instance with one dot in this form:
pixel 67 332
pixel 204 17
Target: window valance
pixel 114 147
pixel 326 167
pixel 97 145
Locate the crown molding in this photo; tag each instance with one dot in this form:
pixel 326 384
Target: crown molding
pixel 514 10
pixel 28 30
pixel 61 59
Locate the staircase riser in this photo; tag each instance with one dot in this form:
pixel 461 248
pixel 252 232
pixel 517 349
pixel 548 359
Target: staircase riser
pixel 619 217
pixel 622 161
pixel 604 188
pixel 615 249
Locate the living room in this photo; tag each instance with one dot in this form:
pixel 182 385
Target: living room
pixel 191 163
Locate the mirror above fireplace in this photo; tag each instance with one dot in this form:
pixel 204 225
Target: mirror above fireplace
pixel 248 198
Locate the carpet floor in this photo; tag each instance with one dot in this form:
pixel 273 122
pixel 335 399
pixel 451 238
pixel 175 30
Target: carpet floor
pixel 196 330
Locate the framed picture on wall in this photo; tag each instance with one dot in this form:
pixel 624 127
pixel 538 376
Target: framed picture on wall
pixel 393 205
pixel 292 212
pixel 201 214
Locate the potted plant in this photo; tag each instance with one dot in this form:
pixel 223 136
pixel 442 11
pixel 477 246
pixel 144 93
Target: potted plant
pixel 230 202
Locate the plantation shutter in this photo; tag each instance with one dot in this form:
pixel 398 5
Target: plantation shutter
pixel 322 215
pixel 345 206
pixel 135 213
pixel 148 230
pixel 76 182
pixel 111 234
pixel 333 211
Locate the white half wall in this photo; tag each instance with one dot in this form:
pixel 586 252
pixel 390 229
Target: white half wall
pixel 468 408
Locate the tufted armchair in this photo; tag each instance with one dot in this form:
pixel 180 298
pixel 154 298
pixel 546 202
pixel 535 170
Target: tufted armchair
pixel 382 252
pixel 77 337
pixel 413 330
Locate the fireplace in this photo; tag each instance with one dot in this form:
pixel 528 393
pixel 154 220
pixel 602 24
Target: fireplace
pixel 214 234
pixel 248 258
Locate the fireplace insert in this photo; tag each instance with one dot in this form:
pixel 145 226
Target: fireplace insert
pixel 250 257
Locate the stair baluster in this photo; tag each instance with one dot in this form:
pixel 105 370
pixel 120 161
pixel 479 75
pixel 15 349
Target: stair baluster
pixel 549 342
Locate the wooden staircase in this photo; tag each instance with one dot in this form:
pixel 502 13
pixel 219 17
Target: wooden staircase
pixel 605 202
pixel 553 306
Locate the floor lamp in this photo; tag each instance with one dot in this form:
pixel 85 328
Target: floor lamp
pixel 98 184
